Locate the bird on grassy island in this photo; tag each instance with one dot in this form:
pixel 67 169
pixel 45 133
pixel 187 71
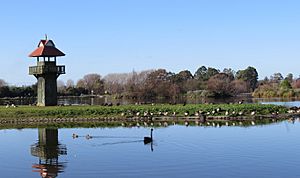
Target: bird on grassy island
pixel 148 139
pixel 186 123
pixel 186 113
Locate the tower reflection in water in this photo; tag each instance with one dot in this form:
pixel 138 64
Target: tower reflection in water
pixel 48 150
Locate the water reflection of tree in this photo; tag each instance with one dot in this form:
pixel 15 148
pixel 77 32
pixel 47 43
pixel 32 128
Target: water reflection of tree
pixel 48 150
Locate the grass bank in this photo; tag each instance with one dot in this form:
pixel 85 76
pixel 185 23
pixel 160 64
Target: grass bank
pixel 129 111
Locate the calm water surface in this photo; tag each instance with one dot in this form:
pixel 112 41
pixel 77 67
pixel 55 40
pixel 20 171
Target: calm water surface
pixel 100 100
pixel 178 151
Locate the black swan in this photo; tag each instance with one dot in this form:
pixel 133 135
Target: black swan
pixel 148 139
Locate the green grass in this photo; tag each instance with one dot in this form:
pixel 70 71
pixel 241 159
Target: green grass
pixel 132 110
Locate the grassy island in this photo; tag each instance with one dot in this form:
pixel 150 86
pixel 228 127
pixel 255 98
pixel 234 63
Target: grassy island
pixel 129 111
pixel 143 115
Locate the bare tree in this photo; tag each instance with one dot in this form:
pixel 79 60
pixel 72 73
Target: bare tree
pixel 240 86
pixel 220 85
pixel 80 84
pixel 70 83
pixel 61 86
pixel 2 83
pixel 129 83
pixel 296 83
pixel 93 83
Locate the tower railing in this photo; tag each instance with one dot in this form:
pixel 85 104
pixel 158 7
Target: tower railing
pixel 37 70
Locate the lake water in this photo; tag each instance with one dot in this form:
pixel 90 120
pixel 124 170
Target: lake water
pixel 100 100
pixel 178 151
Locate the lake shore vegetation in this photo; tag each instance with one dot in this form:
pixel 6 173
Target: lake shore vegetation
pixel 152 84
pixel 141 111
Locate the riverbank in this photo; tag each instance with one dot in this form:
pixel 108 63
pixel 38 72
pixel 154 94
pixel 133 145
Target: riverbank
pixel 160 114
pixel 129 111
pixel 110 123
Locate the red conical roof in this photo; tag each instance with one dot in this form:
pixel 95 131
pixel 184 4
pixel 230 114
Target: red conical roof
pixel 46 48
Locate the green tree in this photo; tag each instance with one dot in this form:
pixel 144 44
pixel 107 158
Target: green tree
pixel 184 81
pixel 211 72
pixel 276 77
pixel 182 76
pixel 4 91
pixel 289 77
pixel 285 85
pixel 248 75
pixel 204 73
pixel 230 72
pixel 200 73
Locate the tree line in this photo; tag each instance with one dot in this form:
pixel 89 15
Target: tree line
pixel 160 83
pixel 149 84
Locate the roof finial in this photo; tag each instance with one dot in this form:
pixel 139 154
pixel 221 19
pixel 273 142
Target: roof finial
pixel 46 37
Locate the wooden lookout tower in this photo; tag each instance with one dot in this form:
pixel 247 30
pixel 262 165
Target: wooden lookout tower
pixel 46 71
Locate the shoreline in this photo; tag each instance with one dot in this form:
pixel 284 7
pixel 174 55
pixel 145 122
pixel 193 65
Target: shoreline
pixel 144 115
pixel 216 121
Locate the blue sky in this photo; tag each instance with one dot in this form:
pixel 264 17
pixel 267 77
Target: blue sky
pixel 115 36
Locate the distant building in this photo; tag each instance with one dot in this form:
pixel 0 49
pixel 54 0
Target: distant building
pixel 46 71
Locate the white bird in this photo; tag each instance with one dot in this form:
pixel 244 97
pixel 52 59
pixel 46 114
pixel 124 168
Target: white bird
pixel 186 123
pixel 166 124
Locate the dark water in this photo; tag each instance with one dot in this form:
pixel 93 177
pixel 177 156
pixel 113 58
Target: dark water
pixel 100 100
pixel 178 151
